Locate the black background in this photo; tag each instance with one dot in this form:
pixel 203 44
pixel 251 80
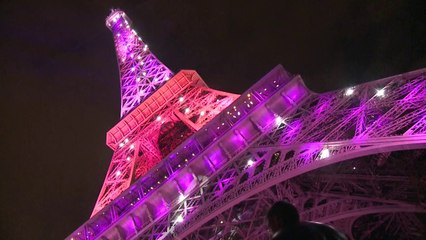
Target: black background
pixel 59 82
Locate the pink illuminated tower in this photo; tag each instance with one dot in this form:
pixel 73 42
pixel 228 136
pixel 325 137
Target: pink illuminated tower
pixel 159 110
pixel 191 162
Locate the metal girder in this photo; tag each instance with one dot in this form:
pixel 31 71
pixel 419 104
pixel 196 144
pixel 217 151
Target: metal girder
pixel 141 73
pixel 319 200
pixel 151 140
pixel 275 141
pixel 303 157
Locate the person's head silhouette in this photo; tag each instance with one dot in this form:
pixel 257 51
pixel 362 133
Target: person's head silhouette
pixel 285 224
pixel 282 215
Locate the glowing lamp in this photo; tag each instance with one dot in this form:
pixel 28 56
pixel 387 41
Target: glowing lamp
pixel 181 198
pixel 325 153
pixel 279 120
pixel 250 163
pixel 349 91
pixel 380 92
pixel 179 219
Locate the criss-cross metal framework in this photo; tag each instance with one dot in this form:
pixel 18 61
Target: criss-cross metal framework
pixel 141 73
pixel 354 158
pixel 159 111
pixel 156 127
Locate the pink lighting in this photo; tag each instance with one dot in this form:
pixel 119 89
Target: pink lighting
pixel 210 167
pixel 185 181
pixel 154 141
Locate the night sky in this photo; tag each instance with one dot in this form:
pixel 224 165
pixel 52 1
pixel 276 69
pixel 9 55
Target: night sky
pixel 60 93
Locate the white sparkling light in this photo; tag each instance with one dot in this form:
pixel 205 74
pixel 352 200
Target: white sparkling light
pixel 179 219
pixel 126 140
pixel 121 144
pixel 118 173
pixel 380 92
pixel 181 99
pixel 158 118
pixel 181 198
pixel 250 163
pixel 202 113
pixel 132 146
pixel 279 120
pixel 128 158
pixel 186 110
pixel 325 153
pixel 349 91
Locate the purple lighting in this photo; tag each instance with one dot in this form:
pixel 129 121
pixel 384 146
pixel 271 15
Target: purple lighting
pixel 141 73
pixel 191 162
pixel 186 181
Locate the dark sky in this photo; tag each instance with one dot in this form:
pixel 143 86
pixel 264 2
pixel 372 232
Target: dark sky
pixel 59 82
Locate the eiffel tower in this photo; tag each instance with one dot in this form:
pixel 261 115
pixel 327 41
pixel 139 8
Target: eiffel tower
pixel 191 162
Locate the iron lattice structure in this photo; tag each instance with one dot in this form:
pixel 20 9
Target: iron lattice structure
pixel 354 158
pixel 141 73
pixel 162 121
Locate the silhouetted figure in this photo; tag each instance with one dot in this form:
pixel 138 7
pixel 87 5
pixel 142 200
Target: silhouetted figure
pixel 284 222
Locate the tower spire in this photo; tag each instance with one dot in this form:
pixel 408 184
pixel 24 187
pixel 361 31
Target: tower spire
pixel 141 73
